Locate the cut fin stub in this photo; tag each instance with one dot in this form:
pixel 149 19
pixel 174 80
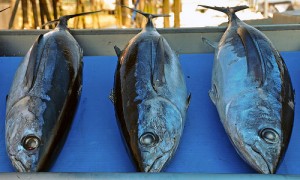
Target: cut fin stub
pixel 33 63
pixel 147 15
pixel 188 100
pixel 254 58
pixel 117 50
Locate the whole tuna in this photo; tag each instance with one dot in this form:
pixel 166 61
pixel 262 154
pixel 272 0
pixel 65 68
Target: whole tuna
pixel 150 98
pixel 253 93
pixel 43 99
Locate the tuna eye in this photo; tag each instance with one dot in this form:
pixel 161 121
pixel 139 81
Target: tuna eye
pixel 148 139
pixel 269 135
pixel 31 142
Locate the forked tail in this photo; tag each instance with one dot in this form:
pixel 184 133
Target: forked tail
pixel 147 15
pixel 63 19
pixel 227 10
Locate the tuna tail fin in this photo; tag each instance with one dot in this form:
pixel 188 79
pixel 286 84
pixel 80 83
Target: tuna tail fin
pixel 64 19
pixel 149 16
pixel 227 10
pixel 4 9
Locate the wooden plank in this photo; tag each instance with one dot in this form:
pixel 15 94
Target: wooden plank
pixel 166 10
pixel 176 13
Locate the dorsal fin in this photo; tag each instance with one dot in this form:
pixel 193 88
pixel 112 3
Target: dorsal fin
pixel 255 64
pixel 148 16
pixel 33 63
pixel 158 64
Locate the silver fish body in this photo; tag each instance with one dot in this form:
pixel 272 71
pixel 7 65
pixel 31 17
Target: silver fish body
pixel 150 99
pixel 253 94
pixel 43 99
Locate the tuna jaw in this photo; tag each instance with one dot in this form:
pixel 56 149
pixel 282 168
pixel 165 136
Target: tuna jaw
pixel 157 164
pixel 260 162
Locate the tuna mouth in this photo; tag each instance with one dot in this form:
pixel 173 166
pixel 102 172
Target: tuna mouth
pixel 260 163
pixel 18 165
pixel 158 164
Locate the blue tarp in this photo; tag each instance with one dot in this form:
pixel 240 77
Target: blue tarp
pixel 94 143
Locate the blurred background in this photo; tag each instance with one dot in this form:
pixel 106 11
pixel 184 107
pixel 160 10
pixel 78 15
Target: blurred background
pixel 31 14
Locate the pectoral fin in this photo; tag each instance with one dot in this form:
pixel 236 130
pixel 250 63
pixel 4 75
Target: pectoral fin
pixel 158 64
pixel 33 64
pixel 210 43
pixel 255 64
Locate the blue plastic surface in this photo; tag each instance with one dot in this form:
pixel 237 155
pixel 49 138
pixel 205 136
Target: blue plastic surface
pixel 94 143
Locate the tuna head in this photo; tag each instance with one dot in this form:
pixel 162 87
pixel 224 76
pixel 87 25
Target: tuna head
pixel 159 130
pixel 254 127
pixel 23 135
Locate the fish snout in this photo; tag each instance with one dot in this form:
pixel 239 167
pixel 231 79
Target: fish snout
pixel 267 161
pixel 20 166
pixel 156 164
pixel 266 167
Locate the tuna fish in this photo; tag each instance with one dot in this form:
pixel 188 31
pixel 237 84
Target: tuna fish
pixel 253 93
pixel 150 98
pixel 43 99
